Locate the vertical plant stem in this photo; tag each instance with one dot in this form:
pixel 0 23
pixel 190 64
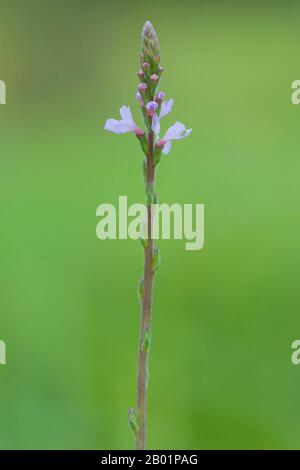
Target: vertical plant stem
pixel 146 312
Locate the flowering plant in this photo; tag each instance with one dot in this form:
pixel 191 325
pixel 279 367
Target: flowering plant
pixel 153 107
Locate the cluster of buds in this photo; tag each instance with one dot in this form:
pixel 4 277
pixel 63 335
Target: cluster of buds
pixel 150 72
pixel 152 102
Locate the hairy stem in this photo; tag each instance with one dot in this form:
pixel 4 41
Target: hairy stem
pixel 146 311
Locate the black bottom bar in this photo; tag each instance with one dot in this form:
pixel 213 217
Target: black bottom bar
pixel 134 459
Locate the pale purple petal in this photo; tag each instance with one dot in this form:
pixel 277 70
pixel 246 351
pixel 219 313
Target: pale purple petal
pixel 127 116
pixel 118 127
pixel 140 99
pixel 166 107
pixel 177 131
pixel 167 147
pixel 126 124
pixel 155 125
pixel 174 131
pixel 186 134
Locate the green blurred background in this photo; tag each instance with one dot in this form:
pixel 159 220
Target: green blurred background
pixel 224 317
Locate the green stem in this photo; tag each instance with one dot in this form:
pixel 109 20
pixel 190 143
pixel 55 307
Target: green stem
pixel 146 312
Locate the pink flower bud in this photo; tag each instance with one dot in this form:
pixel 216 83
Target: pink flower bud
pixel 159 70
pixel 154 77
pixel 140 74
pixel 138 132
pixel 160 96
pixel 160 143
pixel 151 108
pixel 142 87
pixel 145 66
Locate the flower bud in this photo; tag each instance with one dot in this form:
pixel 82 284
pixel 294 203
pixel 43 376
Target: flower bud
pixel 139 132
pixel 150 47
pixel 159 70
pixel 151 108
pixel 140 75
pixel 145 66
pixel 161 143
pixel 142 87
pixel 160 96
pixel 154 77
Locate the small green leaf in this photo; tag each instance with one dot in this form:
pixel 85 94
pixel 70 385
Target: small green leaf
pixel 157 155
pixel 132 418
pixel 141 289
pixel 145 170
pixel 151 197
pixel 156 260
pixel 146 341
pixel 144 143
pixel 144 242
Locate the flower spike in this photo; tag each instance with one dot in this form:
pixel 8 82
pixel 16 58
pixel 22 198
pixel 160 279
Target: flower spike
pixel 153 108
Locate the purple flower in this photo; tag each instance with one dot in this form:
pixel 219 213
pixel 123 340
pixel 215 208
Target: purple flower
pixel 126 124
pixel 176 132
pixel 151 108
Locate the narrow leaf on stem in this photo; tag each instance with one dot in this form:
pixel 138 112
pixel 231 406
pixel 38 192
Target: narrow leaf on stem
pixel 132 418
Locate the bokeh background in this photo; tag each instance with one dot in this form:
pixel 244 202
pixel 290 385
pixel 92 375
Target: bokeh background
pixel 224 317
